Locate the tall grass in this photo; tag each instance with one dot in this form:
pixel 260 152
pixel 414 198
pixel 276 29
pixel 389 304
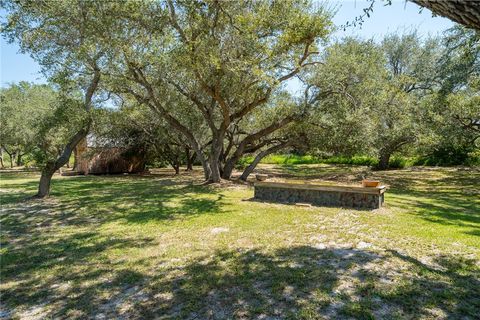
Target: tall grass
pixel 279 159
pixel 396 162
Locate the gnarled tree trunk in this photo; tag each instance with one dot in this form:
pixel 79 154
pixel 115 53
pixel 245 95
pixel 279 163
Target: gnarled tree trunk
pixel 248 170
pixel 19 159
pixel 384 159
pixel 45 180
pixel 466 12
pixel 214 160
pixel 176 167
pixel 13 157
pixel 387 151
pixel 52 166
pixel 75 159
pixel 251 144
pixel 190 159
pixel 215 170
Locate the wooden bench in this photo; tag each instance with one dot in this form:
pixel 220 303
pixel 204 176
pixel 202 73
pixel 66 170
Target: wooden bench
pixel 321 195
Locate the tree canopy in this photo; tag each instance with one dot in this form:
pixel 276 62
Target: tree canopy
pixel 205 81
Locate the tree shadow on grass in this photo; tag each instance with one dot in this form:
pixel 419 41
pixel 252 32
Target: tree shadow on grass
pixel 448 209
pixel 40 253
pixel 225 285
pixel 85 201
pixel 13 193
pixel 453 287
pixel 38 267
pixel 306 283
pixel 300 282
pixel 447 196
pixel 74 276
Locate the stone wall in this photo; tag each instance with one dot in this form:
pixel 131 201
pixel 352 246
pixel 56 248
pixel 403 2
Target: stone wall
pixel 352 197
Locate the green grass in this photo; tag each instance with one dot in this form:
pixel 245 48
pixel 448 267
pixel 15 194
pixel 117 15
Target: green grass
pixel 289 159
pixel 163 246
pixel 396 161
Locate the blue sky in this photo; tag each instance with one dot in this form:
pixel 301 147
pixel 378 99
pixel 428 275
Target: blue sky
pixel 400 16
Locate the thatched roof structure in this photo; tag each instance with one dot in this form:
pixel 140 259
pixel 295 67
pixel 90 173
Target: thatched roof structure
pixel 107 160
pixel 466 12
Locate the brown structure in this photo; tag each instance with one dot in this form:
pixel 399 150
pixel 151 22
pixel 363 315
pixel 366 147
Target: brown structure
pixel 466 12
pixel 106 160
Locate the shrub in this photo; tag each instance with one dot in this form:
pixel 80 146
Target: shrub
pixel 473 158
pixel 243 162
pixel 451 155
pixel 289 159
pixel 397 163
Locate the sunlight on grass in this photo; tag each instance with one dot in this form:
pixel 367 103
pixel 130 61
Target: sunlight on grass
pixel 144 246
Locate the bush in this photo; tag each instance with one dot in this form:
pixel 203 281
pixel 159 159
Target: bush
pixel 308 159
pixel 450 156
pixel 396 162
pixel 243 162
pixel 279 159
pixel 473 158
pixel 355 160
pixel 289 159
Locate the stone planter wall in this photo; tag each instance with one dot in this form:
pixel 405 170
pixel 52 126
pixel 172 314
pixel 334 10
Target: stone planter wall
pixel 341 196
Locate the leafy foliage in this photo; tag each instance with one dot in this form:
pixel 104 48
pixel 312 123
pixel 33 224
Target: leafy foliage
pixel 26 111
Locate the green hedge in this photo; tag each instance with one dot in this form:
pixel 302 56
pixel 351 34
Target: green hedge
pixel 309 159
pixel 396 162
pixel 450 157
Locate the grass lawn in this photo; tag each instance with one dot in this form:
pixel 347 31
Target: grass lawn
pixel 160 246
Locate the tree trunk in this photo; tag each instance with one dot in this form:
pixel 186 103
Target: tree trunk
pixel 190 159
pixel 190 163
pixel 75 159
pixel 10 156
pixel 214 159
pixel 387 151
pixel 248 170
pixel 227 171
pixel 19 159
pixel 214 170
pixel 52 166
pixel 383 160
pixel 1 158
pixel 13 156
pixel 229 166
pixel 464 12
pixel 241 149
pixel 176 167
pixel 203 161
pixel 206 167
pixel 45 180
